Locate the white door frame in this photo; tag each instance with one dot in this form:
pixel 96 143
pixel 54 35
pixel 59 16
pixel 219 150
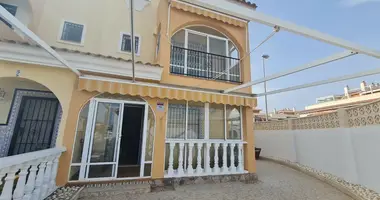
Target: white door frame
pixel 87 147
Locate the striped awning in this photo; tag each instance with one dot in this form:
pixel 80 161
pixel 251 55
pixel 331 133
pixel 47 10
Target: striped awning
pixel 206 13
pixel 112 87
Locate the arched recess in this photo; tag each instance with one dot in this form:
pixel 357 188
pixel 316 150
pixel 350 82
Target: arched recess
pixel 226 31
pixel 206 52
pixel 79 160
pixel 30 116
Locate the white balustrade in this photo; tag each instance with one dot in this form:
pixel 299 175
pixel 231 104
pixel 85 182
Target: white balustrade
pixel 35 173
pixel 221 154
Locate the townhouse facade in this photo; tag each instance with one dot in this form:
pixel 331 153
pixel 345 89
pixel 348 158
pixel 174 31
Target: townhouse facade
pixel 171 122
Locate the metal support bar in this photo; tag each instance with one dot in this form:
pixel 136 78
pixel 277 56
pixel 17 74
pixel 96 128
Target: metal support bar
pixel 316 63
pixel 16 24
pixel 328 81
pixel 132 39
pixel 284 25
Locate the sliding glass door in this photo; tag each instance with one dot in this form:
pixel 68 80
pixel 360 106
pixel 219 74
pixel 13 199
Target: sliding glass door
pixel 101 145
pixel 104 131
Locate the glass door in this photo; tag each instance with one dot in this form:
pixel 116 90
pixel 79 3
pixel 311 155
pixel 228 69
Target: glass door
pixel 103 141
pixel 218 59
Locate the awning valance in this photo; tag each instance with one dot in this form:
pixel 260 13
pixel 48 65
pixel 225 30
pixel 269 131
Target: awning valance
pixel 207 13
pixel 112 87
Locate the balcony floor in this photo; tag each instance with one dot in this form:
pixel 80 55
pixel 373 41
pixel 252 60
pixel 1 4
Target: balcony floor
pixel 276 182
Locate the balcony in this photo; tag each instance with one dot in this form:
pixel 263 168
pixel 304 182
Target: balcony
pixel 204 53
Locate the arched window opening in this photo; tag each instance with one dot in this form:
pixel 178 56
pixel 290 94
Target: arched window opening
pixel 114 139
pixel 203 52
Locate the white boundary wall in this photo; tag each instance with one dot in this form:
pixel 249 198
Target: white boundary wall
pixel 350 153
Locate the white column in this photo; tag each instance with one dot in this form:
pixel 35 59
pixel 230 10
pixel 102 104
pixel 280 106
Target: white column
pixel 216 158
pixel 225 168
pixel 190 169
pixel 199 158
pixel 53 184
pixel 232 158
pixel 180 159
pixel 6 194
pixel 207 159
pixel 39 181
pixel 171 158
pixel 20 187
pixel 31 181
pixel 240 166
pixel 46 181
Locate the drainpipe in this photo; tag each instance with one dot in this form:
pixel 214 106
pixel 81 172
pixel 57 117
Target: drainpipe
pixel 132 41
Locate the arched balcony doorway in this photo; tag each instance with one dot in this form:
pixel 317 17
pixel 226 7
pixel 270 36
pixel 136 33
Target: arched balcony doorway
pixel 203 52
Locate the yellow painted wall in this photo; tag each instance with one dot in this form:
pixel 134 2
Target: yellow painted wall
pixel 10 85
pixel 104 21
pixel 60 81
pixel 180 19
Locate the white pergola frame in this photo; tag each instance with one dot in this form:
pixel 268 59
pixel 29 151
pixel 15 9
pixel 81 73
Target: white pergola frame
pixel 20 27
pixel 293 28
pixel 248 15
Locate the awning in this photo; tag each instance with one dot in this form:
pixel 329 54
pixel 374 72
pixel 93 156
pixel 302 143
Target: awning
pixel 210 14
pixel 156 91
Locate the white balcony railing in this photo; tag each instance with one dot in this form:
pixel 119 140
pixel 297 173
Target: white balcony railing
pixel 204 157
pixel 29 176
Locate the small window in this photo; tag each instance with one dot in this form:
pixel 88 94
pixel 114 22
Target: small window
pixel 126 43
pixel 11 9
pixel 72 32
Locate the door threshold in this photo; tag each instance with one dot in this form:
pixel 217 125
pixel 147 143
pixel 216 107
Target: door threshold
pixel 108 180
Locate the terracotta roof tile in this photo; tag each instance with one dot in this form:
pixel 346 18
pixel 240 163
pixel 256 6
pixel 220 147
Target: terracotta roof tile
pixel 79 52
pixel 253 5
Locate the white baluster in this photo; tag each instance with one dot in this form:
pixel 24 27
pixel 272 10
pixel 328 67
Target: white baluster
pixel 199 158
pixel 207 160
pixel 20 187
pixel 240 166
pixel 171 158
pixel 47 175
pixel 31 181
pixel 6 194
pixel 232 158
pixel 225 168
pixel 180 159
pixel 216 158
pixel 190 169
pixel 39 181
pixel 53 185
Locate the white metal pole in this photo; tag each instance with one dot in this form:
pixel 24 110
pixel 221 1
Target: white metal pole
pixel 262 18
pixel 20 27
pixel 265 90
pixel 331 80
pixel 132 40
pixel 313 64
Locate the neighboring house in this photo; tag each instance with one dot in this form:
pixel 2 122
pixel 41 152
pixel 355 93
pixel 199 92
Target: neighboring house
pixel 277 115
pixel 113 128
pixel 350 98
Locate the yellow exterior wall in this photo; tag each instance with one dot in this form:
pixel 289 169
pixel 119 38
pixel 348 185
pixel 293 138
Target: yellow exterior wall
pixel 59 81
pixel 249 138
pixel 76 104
pixel 104 21
pixel 180 19
pixel 10 85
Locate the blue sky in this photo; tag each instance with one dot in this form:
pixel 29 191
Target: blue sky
pixel 353 20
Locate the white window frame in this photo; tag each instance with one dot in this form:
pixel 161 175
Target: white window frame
pixel 69 42
pixel 208 36
pixel 207 124
pixel 87 147
pixel 121 42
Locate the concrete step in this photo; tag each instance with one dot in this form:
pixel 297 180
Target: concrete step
pixel 114 190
